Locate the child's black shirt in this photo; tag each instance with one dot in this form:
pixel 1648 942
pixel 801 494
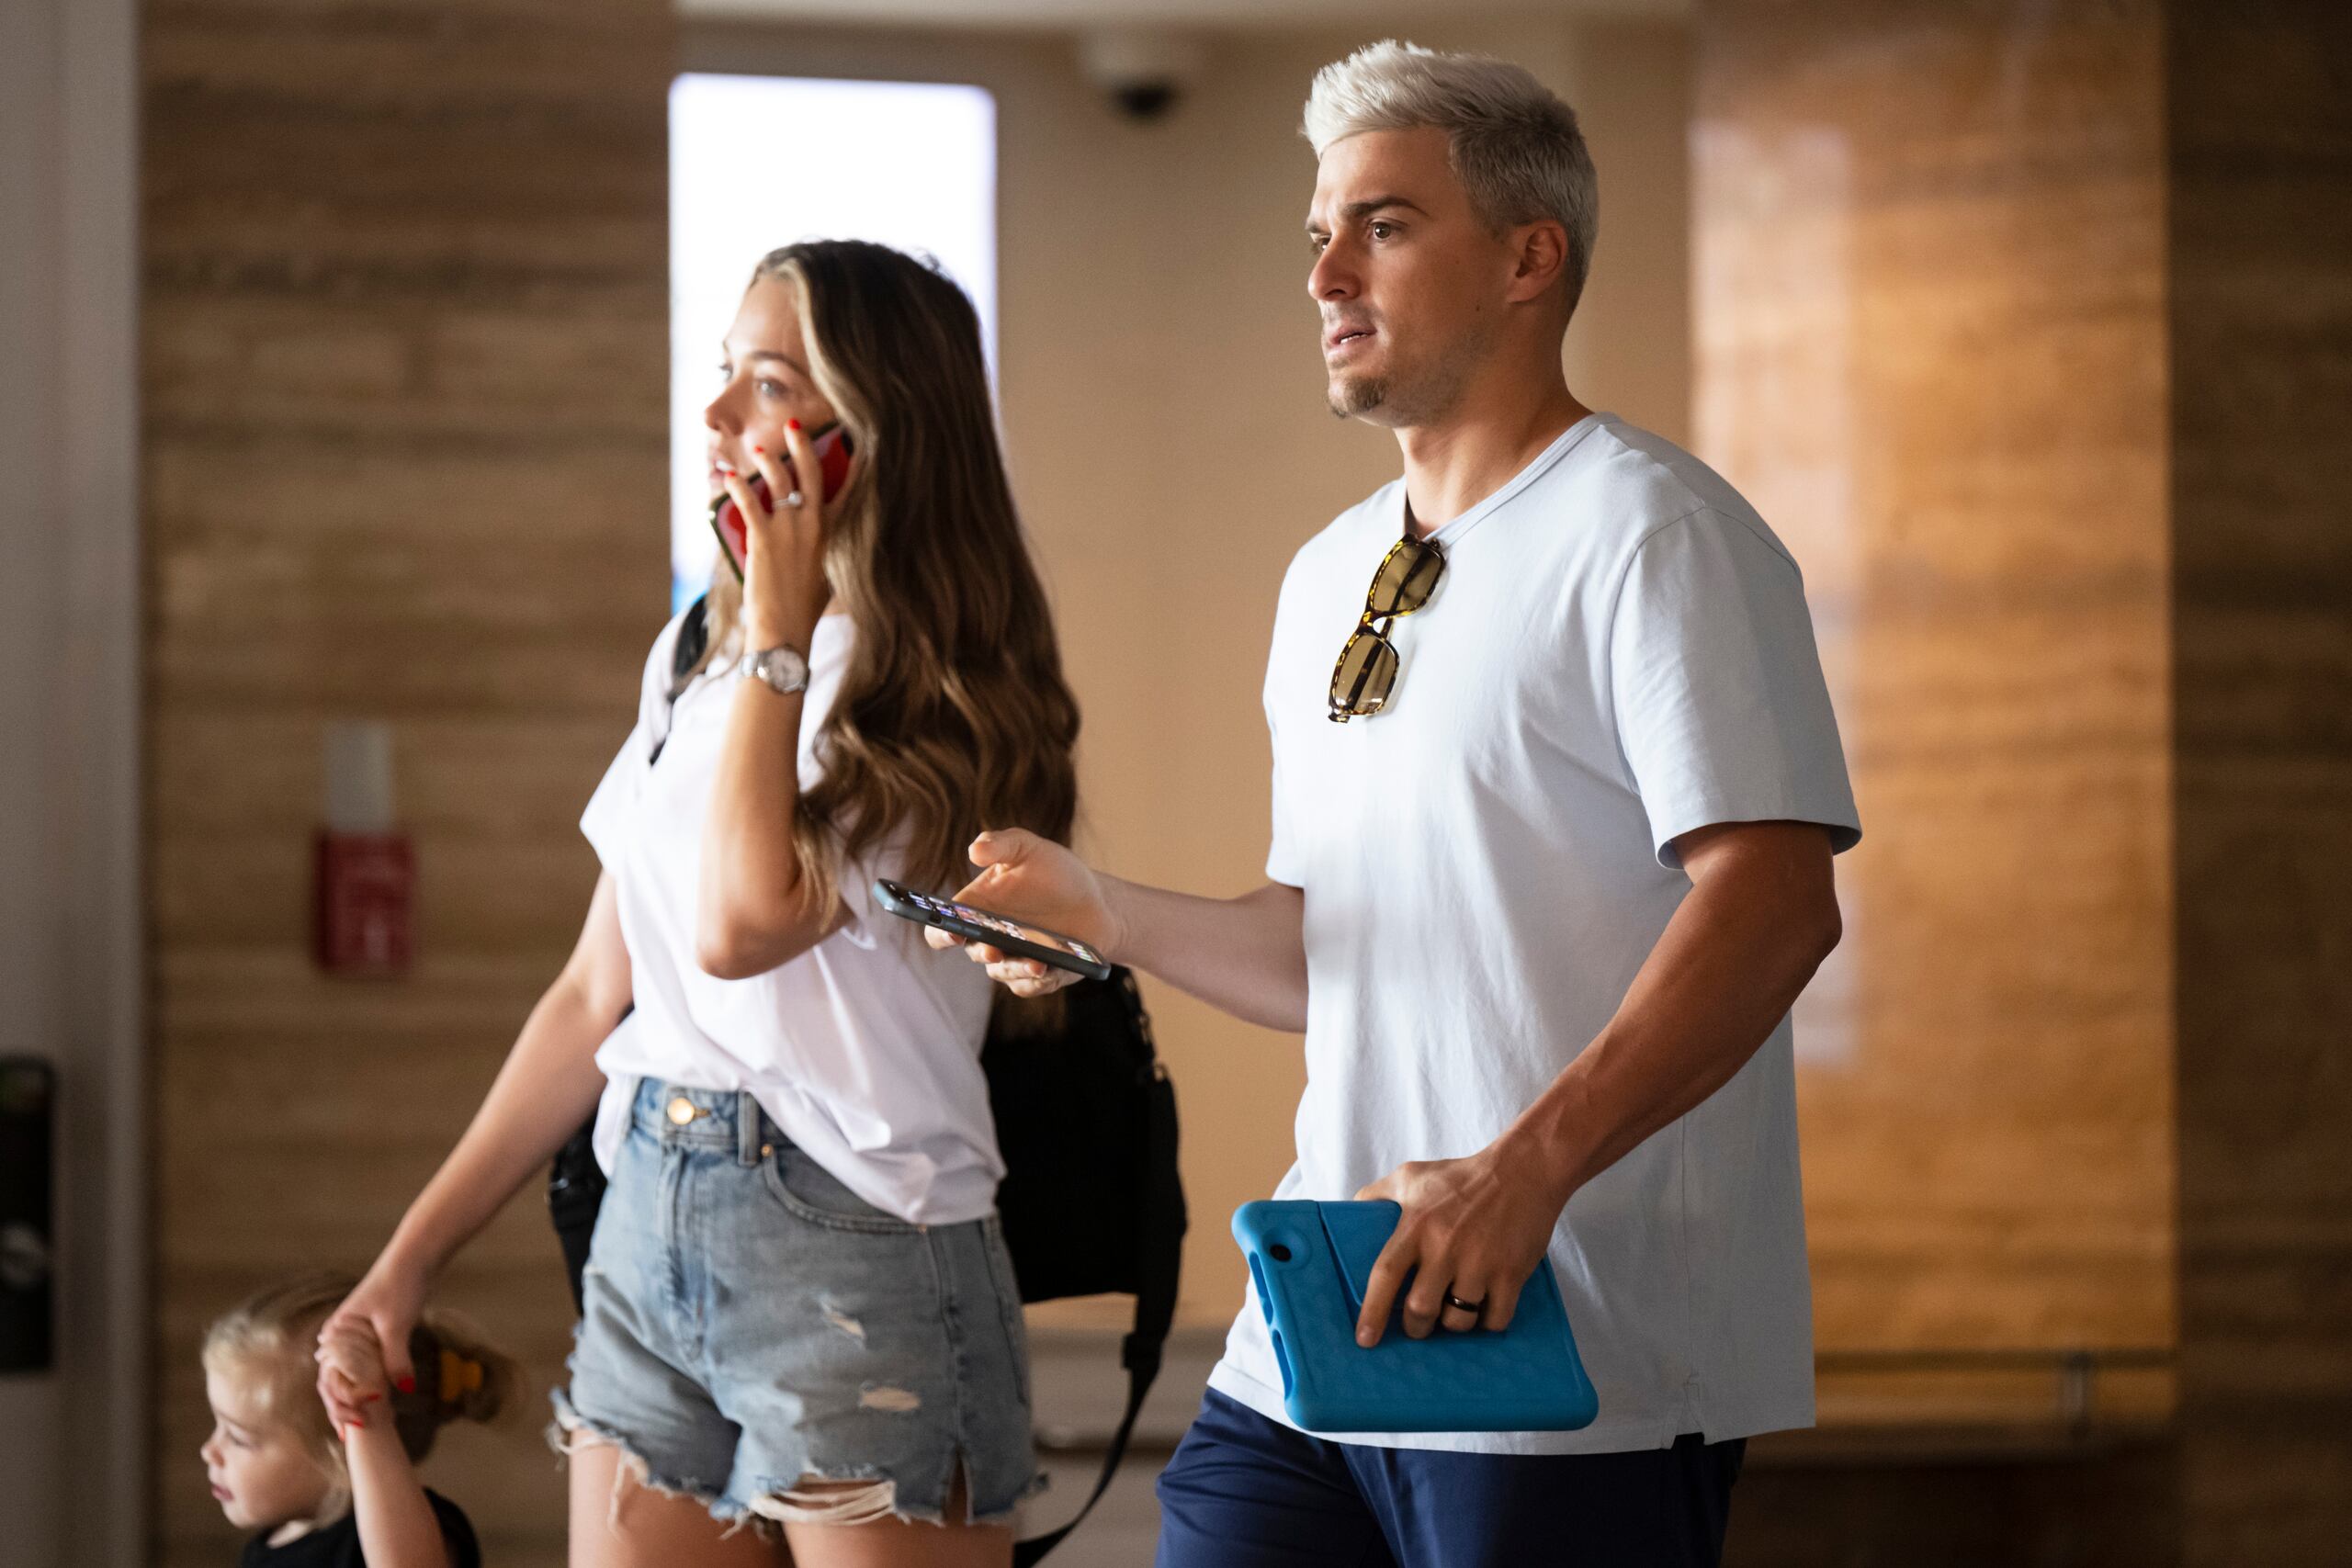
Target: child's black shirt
pixel 337 1545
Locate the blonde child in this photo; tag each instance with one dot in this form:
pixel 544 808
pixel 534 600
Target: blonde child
pixel 319 1498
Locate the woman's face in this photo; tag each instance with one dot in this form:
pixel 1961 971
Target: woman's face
pixel 262 1475
pixel 763 381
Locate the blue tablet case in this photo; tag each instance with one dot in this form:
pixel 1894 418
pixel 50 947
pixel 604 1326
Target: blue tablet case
pixel 1311 1263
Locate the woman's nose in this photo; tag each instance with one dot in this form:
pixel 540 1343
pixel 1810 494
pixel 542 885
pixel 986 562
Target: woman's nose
pixel 717 416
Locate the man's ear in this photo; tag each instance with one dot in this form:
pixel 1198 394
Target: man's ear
pixel 1539 255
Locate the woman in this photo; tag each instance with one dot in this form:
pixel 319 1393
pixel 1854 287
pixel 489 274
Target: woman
pixel 798 1311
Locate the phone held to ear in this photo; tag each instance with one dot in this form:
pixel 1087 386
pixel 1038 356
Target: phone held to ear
pixel 833 449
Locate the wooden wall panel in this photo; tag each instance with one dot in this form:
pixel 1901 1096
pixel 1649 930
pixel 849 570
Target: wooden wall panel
pixel 404 381
pixel 2260 100
pixel 1928 266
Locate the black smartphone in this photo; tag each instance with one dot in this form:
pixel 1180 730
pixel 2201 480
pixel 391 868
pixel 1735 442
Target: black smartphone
pixel 1016 938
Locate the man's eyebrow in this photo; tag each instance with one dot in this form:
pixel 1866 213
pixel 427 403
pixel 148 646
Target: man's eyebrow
pixel 1370 205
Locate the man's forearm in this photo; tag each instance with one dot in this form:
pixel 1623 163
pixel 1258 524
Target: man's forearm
pixel 1245 955
pixel 1729 966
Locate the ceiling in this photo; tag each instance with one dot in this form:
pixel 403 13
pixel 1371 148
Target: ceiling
pixel 1223 14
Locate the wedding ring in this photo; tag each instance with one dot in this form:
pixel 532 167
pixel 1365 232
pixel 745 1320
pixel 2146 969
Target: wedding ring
pixel 792 498
pixel 1474 1308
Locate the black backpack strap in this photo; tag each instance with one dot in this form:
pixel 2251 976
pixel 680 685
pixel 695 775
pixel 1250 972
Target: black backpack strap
pixel 1159 1265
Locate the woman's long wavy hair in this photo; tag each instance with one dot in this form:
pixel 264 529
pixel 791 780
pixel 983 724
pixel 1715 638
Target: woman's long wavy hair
pixel 953 715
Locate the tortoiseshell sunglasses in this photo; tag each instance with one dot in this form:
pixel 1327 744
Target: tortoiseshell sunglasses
pixel 1366 672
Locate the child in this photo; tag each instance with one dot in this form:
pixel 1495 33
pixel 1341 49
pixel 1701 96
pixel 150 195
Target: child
pixel 325 1499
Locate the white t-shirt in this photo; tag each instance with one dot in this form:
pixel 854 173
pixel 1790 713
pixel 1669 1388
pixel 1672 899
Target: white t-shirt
pixel 864 1049
pixel 1618 652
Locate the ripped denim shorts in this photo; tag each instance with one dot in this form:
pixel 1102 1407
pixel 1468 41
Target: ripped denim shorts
pixel 750 1326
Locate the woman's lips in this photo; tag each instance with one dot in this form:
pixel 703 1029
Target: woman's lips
pixel 222 1494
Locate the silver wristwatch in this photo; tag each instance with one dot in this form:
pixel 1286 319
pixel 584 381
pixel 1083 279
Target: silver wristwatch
pixel 781 669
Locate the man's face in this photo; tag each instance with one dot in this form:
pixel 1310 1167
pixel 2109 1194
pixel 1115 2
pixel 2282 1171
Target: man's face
pixel 1409 279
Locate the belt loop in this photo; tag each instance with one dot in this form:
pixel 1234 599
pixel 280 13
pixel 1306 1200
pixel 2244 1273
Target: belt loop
pixel 747 1128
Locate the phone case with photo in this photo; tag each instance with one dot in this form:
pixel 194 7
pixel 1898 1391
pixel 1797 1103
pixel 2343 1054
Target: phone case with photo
pixel 925 910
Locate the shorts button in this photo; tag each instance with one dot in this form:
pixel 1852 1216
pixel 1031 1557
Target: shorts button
pixel 682 1111
pixel 766 1149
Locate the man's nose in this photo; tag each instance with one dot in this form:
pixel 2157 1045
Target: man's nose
pixel 1331 278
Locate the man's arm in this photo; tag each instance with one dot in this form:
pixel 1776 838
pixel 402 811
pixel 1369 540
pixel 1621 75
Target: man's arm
pixel 1245 955
pixel 1760 916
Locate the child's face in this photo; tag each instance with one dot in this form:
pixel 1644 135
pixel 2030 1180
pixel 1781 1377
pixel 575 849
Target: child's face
pixel 263 1473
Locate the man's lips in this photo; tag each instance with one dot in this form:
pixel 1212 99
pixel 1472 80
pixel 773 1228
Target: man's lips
pixel 1344 333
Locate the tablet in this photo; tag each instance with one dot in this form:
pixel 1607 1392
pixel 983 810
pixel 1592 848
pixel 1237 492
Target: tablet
pixel 1017 939
pixel 1311 1263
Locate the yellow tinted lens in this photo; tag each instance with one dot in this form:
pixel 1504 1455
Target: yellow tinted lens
pixel 1406 577
pixel 1367 669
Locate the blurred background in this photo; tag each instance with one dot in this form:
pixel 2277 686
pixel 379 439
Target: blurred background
pixel 348 351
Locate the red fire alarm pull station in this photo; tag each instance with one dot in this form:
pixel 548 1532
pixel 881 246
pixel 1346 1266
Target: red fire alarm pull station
pixel 364 868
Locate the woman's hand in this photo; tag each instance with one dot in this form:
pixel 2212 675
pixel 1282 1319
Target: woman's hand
pixel 351 1364
pixel 368 1332
pixel 1034 879
pixel 784 588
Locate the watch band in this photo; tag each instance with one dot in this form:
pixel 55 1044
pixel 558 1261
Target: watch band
pixel 783 670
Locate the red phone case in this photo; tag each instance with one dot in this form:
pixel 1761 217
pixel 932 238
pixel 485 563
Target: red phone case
pixel 834 450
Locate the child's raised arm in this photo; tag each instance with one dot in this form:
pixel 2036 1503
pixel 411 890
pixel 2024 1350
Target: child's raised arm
pixel 398 1527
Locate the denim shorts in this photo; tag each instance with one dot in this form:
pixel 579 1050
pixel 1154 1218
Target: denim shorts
pixel 749 1326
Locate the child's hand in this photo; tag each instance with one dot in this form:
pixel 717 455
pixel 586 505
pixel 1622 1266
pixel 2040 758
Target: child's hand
pixel 351 1371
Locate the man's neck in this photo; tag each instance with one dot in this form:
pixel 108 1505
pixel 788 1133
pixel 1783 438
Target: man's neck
pixel 1455 463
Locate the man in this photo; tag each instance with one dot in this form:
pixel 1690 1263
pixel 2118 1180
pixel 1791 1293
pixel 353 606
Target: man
pixel 1551 863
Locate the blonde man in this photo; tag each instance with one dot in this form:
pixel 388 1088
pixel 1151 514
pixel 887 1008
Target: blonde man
pixel 1551 863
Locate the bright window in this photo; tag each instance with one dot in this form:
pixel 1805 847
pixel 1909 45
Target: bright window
pixel 758 162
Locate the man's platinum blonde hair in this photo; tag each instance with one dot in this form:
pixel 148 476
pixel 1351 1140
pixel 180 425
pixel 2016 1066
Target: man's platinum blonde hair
pixel 1513 143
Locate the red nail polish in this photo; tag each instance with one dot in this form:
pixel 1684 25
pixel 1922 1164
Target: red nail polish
pixel 408 1385
pixel 760 451
pixel 791 424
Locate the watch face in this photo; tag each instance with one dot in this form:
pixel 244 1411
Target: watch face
pixel 782 668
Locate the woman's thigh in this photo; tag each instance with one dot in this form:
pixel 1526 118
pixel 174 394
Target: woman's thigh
pixel 900 1543
pixel 617 1523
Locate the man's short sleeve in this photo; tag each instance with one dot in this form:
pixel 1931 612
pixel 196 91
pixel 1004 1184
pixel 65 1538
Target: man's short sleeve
pixel 1282 854
pixel 1720 709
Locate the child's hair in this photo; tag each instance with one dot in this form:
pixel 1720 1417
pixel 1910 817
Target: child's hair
pixel 267 1344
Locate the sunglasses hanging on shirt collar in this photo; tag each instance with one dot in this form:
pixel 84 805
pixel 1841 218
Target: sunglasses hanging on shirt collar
pixel 1366 672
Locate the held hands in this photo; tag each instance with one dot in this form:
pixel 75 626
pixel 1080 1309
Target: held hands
pixel 784 588
pixel 362 1347
pixel 1474 1228
pixel 1037 880
pixel 351 1363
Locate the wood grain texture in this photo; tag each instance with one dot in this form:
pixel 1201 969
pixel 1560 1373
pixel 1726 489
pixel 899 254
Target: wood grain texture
pixel 1930 334
pixel 2260 123
pixel 406 354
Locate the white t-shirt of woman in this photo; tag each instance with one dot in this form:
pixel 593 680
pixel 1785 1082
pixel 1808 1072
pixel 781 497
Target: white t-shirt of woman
pixel 864 1049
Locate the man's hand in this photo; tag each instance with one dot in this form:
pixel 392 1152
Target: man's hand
pixel 1473 1228
pixel 1035 880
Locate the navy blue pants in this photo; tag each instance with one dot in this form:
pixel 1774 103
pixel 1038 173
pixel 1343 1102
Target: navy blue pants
pixel 1244 1491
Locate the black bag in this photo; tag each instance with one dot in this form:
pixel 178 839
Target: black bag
pixel 1086 1120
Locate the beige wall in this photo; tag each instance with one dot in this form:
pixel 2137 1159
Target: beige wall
pixel 1164 410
